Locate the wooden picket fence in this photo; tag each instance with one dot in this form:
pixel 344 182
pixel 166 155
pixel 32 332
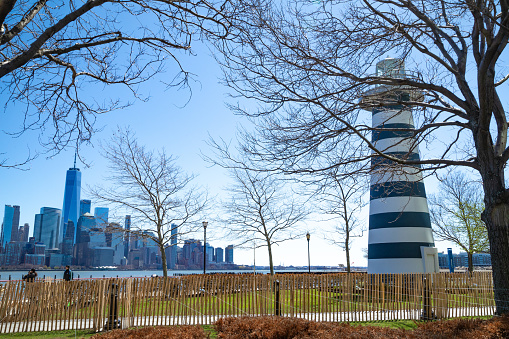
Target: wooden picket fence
pixel 202 299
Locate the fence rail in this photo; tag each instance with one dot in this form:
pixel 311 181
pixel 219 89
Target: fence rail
pixel 202 299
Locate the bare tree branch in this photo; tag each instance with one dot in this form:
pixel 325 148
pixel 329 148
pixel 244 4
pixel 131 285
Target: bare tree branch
pixel 260 211
pixel 52 56
pixel 155 191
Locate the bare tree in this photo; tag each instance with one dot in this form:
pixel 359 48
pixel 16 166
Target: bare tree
pixel 156 192
pixel 343 198
pixel 53 55
pixel 260 211
pixel 456 214
pixel 309 64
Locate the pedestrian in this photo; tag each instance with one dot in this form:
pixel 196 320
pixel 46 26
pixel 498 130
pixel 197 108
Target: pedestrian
pixel 68 275
pixel 31 276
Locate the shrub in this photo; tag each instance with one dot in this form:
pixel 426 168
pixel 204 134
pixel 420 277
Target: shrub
pixel 281 327
pixel 158 332
pixel 497 327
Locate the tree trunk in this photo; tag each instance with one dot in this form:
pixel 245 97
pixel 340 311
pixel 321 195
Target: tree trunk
pixel 271 264
pixel 497 221
pixel 347 250
pixel 470 262
pixel 163 261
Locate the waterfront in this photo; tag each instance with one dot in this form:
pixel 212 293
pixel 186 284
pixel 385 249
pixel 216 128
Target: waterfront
pixel 17 275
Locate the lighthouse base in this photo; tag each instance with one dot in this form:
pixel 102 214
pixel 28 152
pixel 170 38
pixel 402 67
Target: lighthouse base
pixel 428 263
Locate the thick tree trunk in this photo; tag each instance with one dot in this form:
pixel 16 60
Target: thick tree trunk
pixel 163 261
pixel 470 256
pixel 269 248
pixel 347 250
pixel 497 221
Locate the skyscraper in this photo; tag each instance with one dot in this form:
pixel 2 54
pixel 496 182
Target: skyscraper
pixel 127 236
pixel 71 207
pixel 47 225
pixel 172 260
pixel 23 232
pixel 400 235
pixel 219 255
pixel 10 225
pixel 229 254
pixel 85 206
pixel 101 216
pixel 82 251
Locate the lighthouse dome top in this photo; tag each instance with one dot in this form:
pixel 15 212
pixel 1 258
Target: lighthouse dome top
pixel 391 67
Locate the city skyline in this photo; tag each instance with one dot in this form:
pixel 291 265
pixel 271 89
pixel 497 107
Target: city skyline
pixel 247 256
pixel 99 245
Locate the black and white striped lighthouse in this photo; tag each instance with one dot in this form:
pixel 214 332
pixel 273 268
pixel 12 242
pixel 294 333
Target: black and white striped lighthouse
pixel 400 234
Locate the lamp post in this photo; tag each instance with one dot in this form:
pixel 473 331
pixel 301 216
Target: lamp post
pixel 204 245
pixel 308 236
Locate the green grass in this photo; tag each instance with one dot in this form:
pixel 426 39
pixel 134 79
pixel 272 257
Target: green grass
pixel 210 330
pixel 398 324
pixel 51 335
pixel 292 303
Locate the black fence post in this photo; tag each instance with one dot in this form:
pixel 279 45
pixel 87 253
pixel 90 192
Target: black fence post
pixel 427 312
pixel 277 304
pixel 113 321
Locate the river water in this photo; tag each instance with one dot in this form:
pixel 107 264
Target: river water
pixel 17 275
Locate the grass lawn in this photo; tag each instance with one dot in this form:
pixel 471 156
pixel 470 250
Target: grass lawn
pixel 51 335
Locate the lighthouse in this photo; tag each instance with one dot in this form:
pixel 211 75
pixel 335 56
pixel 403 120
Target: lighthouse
pixel 400 234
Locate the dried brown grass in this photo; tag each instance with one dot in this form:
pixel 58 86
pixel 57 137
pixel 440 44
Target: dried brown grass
pixel 157 332
pixel 498 327
pixel 279 328
pixel 283 328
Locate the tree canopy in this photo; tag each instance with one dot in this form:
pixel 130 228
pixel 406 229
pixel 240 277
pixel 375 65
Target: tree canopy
pixel 456 214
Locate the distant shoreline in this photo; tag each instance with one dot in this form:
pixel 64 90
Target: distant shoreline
pixel 160 269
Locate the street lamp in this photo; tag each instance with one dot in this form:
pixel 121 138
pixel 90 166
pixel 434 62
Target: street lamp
pixel 204 245
pixel 308 236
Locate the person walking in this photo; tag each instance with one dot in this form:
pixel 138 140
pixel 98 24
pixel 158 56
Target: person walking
pixel 31 276
pixel 68 275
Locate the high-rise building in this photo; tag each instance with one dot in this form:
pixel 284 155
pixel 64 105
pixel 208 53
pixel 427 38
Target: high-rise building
pixel 85 206
pixel 47 227
pixel 229 254
pixel 23 232
pixel 71 206
pixel 400 234
pixel 82 252
pixel 127 235
pixel 101 216
pixel 219 255
pixel 15 253
pixel 209 252
pixel 15 224
pixel 10 225
pixel 172 260
pixel 116 241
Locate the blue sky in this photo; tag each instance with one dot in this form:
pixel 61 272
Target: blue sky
pixel 165 121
